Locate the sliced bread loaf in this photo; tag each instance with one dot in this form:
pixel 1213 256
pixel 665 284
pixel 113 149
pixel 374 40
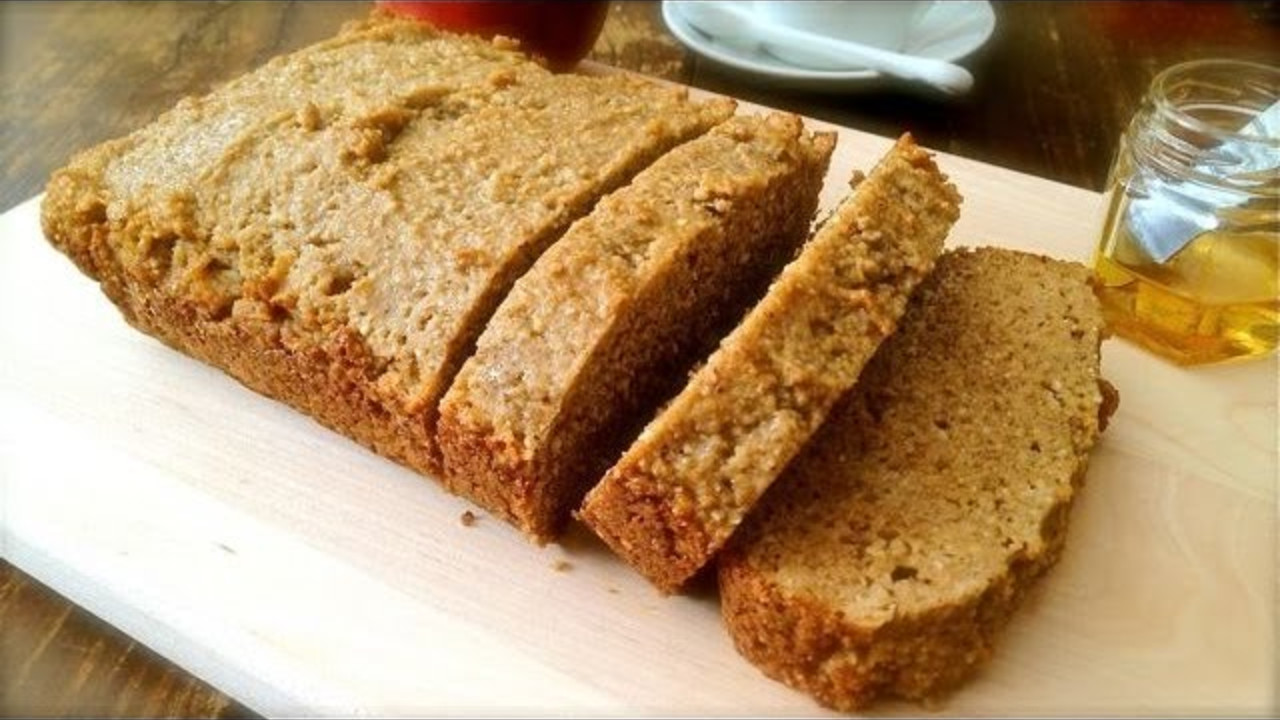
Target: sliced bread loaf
pixel 899 542
pixel 679 492
pixel 335 228
pixel 610 318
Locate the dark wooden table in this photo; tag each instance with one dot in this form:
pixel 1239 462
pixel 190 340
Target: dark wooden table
pixel 1055 87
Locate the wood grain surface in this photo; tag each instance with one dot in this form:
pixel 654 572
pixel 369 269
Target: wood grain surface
pixel 1055 87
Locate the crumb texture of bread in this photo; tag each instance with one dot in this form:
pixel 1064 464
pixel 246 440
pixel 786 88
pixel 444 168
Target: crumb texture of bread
pixel 894 548
pixel 610 319
pixel 682 488
pixel 335 228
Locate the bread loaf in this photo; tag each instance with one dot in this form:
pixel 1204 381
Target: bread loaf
pixel 335 229
pixel 897 545
pixel 683 487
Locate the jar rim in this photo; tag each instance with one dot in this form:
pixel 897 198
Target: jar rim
pixel 1159 91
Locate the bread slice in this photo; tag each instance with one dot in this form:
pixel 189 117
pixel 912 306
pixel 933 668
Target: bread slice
pixel 609 319
pixel 899 542
pixel 679 492
pixel 335 228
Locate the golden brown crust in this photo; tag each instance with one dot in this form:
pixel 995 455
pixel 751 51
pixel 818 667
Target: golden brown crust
pixel 682 488
pixel 805 643
pixel 641 524
pixel 893 551
pixel 1110 403
pixel 491 472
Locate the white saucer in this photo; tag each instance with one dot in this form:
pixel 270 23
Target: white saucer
pixel 948 31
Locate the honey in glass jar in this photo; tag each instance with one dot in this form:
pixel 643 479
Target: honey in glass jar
pixel 1187 264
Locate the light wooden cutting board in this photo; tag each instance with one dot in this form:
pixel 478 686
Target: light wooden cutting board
pixel 303 575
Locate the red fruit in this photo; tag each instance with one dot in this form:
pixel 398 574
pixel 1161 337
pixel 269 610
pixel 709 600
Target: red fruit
pixel 561 32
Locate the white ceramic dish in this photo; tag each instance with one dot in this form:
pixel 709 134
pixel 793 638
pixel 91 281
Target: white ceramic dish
pixel 947 31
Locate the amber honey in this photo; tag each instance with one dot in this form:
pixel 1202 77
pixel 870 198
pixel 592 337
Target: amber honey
pixel 1216 299
pixel 1188 261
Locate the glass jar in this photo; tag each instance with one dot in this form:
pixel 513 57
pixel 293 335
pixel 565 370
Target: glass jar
pixel 1187 262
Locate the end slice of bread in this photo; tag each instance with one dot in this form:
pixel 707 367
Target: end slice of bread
pixel 895 547
pixel 683 487
pixel 608 321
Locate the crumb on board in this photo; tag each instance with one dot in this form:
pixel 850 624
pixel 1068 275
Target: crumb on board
pixel 468 518
pixel 613 590
pixel 562 566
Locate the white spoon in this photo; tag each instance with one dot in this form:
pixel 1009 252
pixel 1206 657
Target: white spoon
pixel 742 28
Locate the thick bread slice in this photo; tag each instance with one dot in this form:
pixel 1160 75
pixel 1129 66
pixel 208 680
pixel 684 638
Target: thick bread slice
pixel 679 492
pixel 899 542
pixel 335 228
pixel 610 318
